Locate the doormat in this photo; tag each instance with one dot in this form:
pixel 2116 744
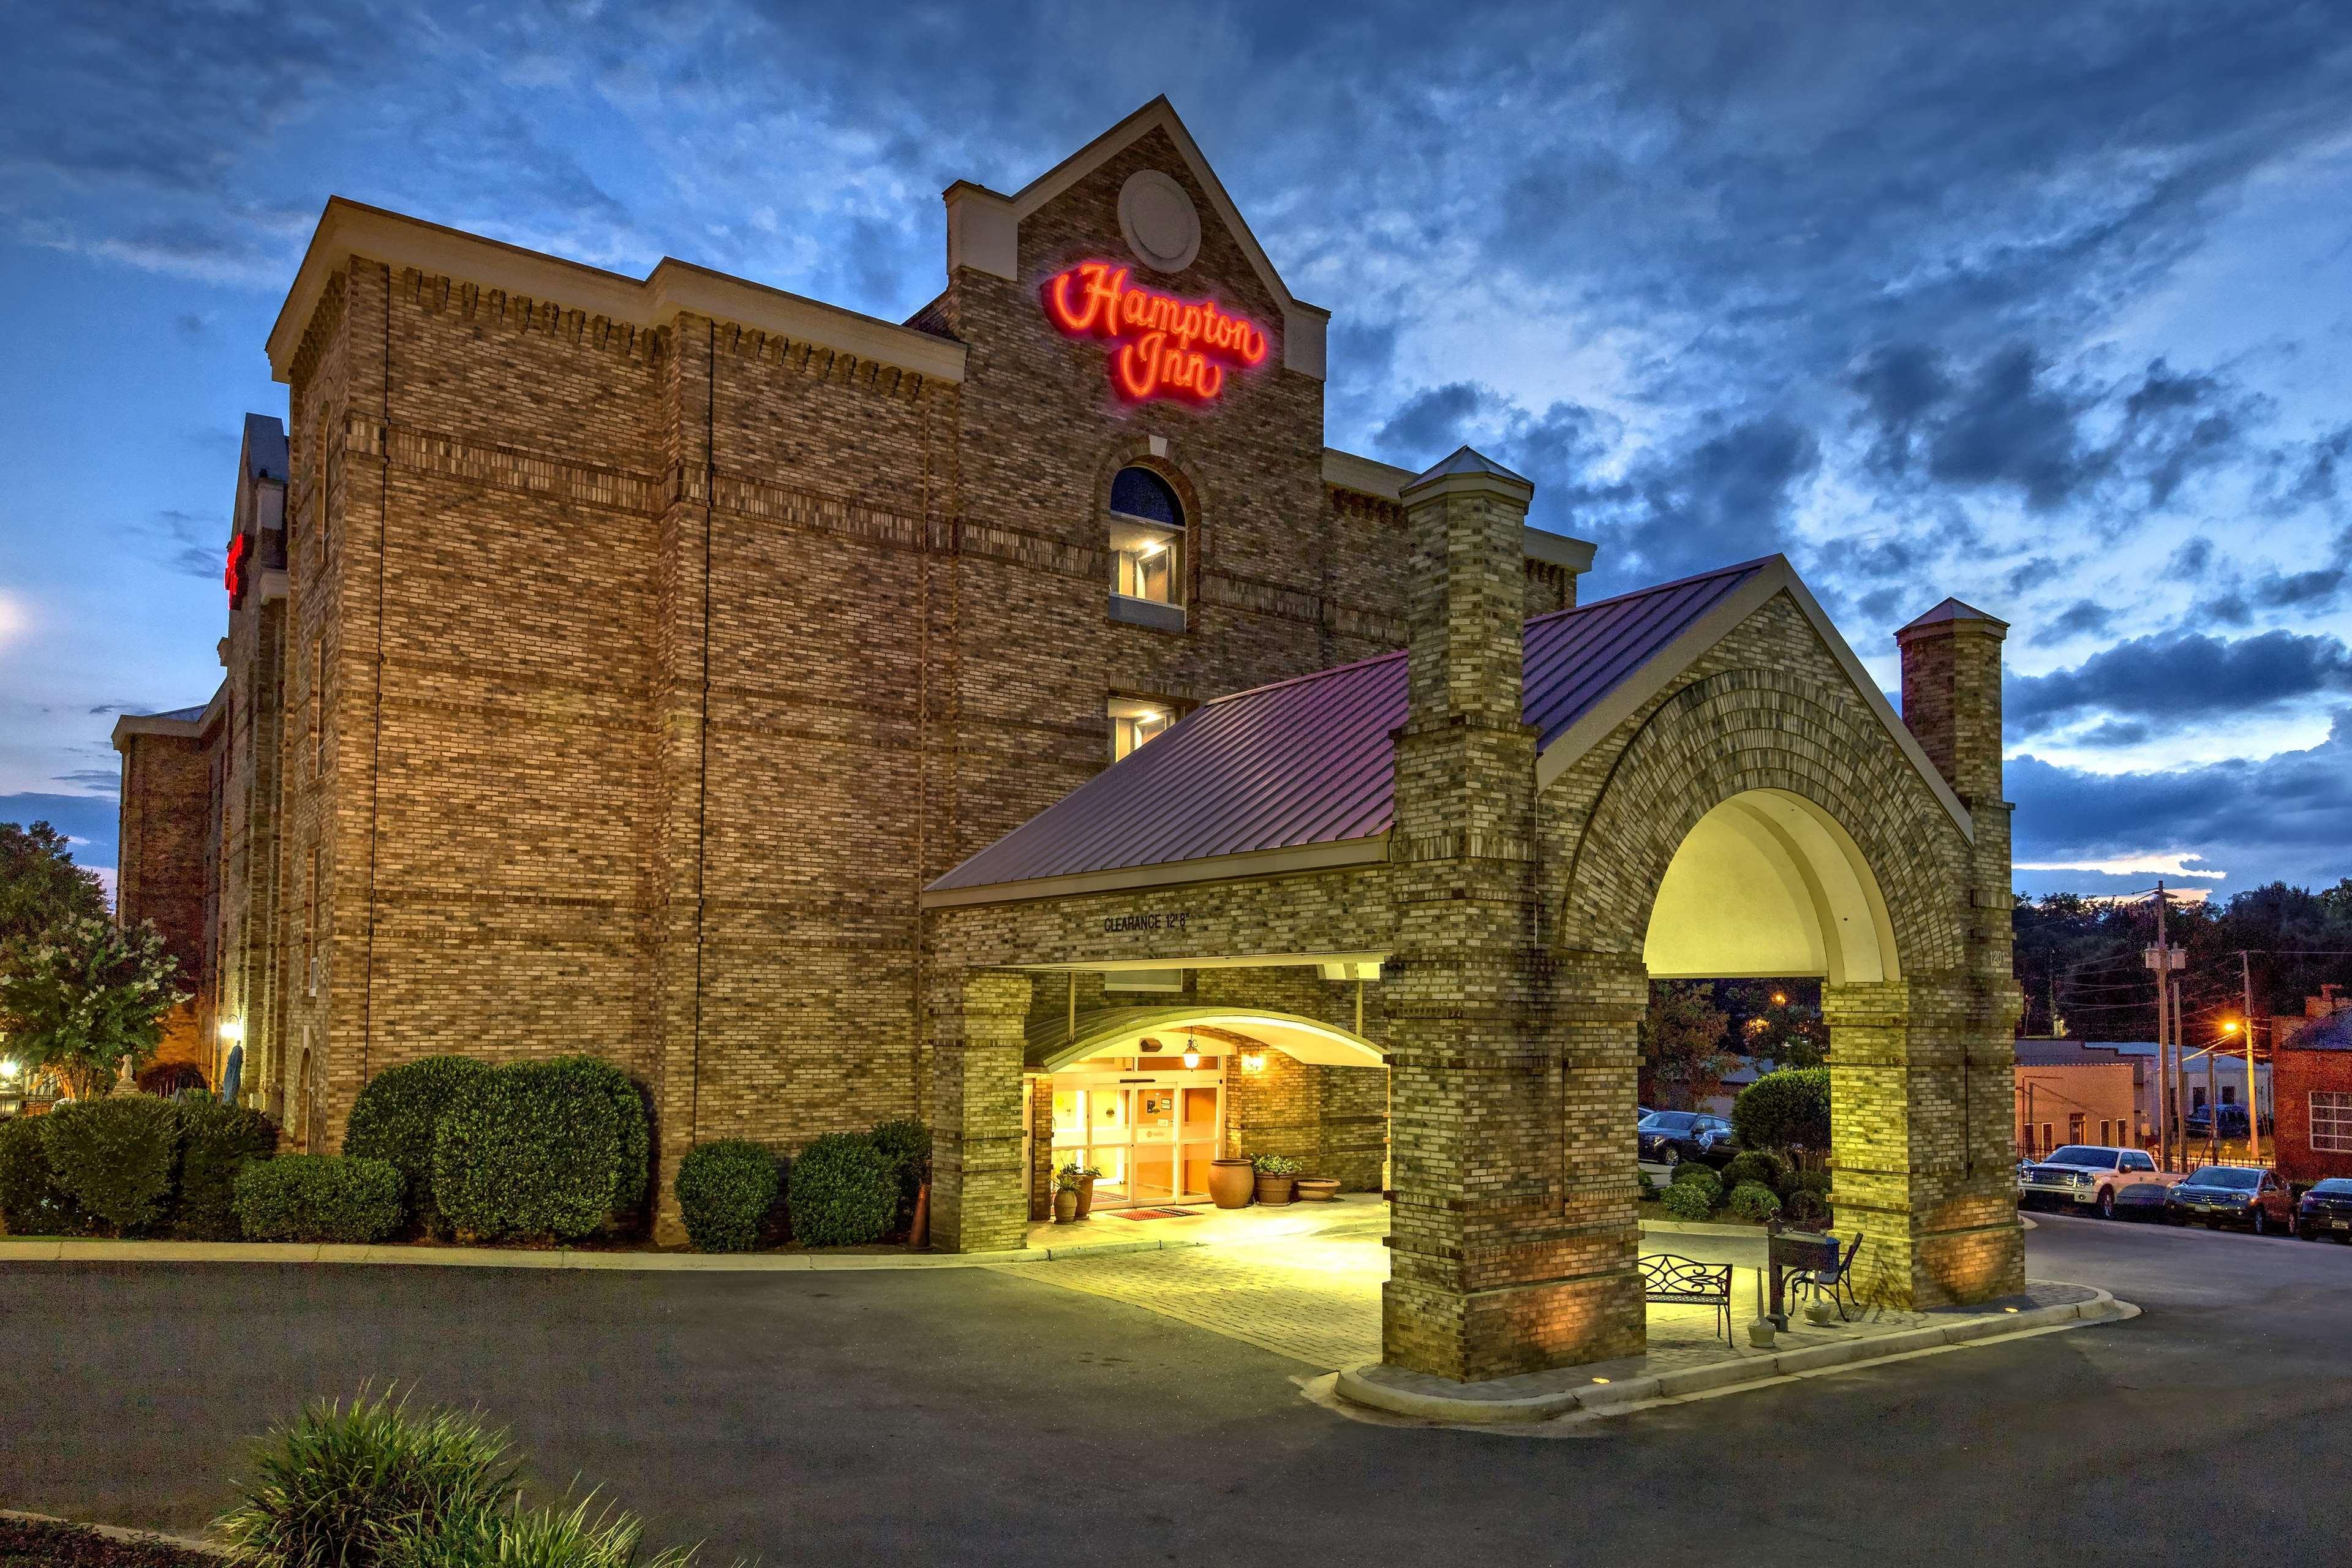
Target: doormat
pixel 1152 1214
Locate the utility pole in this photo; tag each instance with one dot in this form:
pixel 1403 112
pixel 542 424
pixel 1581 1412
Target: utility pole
pixel 2172 1135
pixel 2212 1099
pixel 2253 1096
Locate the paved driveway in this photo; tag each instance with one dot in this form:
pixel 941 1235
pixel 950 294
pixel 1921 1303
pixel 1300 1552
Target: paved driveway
pixel 980 1416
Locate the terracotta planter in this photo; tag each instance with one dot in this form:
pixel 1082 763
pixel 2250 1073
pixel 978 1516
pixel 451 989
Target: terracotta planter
pixel 1317 1189
pixel 1065 1205
pixel 1085 1197
pixel 1231 1182
pixel 1274 1191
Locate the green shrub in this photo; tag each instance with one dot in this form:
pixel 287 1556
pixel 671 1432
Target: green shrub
pixel 1808 1200
pixel 907 1144
pixel 1691 1174
pixel 117 1157
pixel 344 1484
pixel 633 1124
pixel 1688 1200
pixel 319 1197
pixel 1276 1164
pixel 1648 1185
pixel 727 1195
pixel 1761 1166
pixel 526 1152
pixel 216 1143
pixel 396 1118
pixel 31 1201
pixel 844 1192
pixel 1754 1202
pixel 1786 1112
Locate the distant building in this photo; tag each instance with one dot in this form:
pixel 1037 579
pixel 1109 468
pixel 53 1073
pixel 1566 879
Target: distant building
pixel 2081 1091
pixel 2313 1107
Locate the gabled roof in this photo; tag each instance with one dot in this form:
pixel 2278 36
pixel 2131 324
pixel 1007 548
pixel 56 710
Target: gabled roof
pixel 1301 774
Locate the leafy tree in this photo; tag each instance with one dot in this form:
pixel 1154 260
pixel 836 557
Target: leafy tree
pixel 1683 1054
pixel 84 998
pixel 40 886
pixel 1779 1020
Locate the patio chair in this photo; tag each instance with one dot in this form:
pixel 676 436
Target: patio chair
pixel 1834 1285
pixel 1667 1278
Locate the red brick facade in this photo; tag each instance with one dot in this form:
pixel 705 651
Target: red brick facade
pixel 2296 1076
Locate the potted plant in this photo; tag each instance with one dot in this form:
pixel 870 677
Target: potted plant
pixel 1066 1195
pixel 1317 1189
pixel 1232 1180
pixel 1086 1176
pixel 1276 1174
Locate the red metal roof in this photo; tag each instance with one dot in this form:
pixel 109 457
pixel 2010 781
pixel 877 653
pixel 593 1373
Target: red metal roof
pixel 1309 761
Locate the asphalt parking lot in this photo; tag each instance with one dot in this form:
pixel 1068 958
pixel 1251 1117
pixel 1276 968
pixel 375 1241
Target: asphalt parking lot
pixel 978 1416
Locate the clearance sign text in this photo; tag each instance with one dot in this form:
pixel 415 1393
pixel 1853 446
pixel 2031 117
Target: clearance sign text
pixel 1166 347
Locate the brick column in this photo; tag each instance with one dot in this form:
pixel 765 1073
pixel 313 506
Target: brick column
pixel 1922 1072
pixel 1494 1272
pixel 980 1199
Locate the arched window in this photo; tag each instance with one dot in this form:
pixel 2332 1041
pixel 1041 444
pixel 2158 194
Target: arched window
pixel 1147 550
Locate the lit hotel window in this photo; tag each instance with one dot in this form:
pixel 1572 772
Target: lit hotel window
pixel 1133 722
pixel 1147 551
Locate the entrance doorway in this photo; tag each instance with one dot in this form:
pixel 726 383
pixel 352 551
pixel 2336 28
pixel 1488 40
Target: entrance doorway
pixel 1152 1134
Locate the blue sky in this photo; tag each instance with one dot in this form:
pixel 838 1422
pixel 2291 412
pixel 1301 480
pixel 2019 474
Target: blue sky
pixel 2050 307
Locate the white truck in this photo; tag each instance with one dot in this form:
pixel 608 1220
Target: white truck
pixel 2087 1176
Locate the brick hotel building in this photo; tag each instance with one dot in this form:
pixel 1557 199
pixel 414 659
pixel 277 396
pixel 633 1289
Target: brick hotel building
pixel 611 661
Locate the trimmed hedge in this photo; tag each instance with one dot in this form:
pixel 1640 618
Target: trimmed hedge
pixel 1688 1200
pixel 844 1192
pixel 726 1193
pixel 217 1142
pixel 319 1197
pixel 1754 1201
pixel 632 1121
pixel 1759 1166
pixel 31 1201
pixel 1787 1111
pixel 1691 1174
pixel 116 1157
pixel 907 1144
pixel 529 1152
pixel 396 1117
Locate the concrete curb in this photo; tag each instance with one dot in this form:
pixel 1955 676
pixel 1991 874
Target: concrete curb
pixel 1361 1385
pixel 76 1249
pixel 117 1533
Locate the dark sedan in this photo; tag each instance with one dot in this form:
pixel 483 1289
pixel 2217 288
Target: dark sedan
pixel 2232 1195
pixel 2327 1210
pixel 1670 1137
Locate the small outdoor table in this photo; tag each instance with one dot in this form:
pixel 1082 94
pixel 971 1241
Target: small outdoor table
pixel 1800 1251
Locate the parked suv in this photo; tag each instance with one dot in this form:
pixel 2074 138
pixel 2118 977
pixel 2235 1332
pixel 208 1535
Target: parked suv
pixel 2234 1195
pixel 2233 1122
pixel 2086 1175
pixel 1670 1137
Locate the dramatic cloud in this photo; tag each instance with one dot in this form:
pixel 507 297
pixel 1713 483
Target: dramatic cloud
pixel 2179 677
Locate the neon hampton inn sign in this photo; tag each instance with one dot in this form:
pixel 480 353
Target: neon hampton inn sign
pixel 1166 347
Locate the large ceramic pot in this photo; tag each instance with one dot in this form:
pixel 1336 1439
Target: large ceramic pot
pixel 1065 1205
pixel 1274 1191
pixel 1317 1189
pixel 1086 1196
pixel 1231 1182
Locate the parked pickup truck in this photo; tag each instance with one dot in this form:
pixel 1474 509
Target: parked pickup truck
pixel 2086 1175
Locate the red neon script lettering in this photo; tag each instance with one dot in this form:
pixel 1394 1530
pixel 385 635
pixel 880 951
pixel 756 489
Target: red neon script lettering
pixel 233 578
pixel 1168 347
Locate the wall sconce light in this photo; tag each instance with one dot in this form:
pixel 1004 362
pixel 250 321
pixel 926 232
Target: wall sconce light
pixel 1254 1062
pixel 1192 1052
pixel 232 1030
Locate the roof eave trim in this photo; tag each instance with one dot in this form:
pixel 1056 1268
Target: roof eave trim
pixel 349 229
pixel 1340 855
pixel 1776 577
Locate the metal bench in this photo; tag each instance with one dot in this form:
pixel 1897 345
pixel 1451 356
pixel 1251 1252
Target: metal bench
pixel 1684 1281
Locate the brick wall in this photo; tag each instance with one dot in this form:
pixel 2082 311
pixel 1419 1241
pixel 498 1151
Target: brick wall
pixel 2102 1095
pixel 2295 1076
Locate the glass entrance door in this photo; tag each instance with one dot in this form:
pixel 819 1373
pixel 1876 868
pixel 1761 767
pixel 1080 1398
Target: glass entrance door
pixel 1152 1136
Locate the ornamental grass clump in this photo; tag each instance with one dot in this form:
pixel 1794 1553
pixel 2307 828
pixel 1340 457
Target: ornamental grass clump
pixel 518 1537
pixel 844 1192
pixel 346 1485
pixel 727 1195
